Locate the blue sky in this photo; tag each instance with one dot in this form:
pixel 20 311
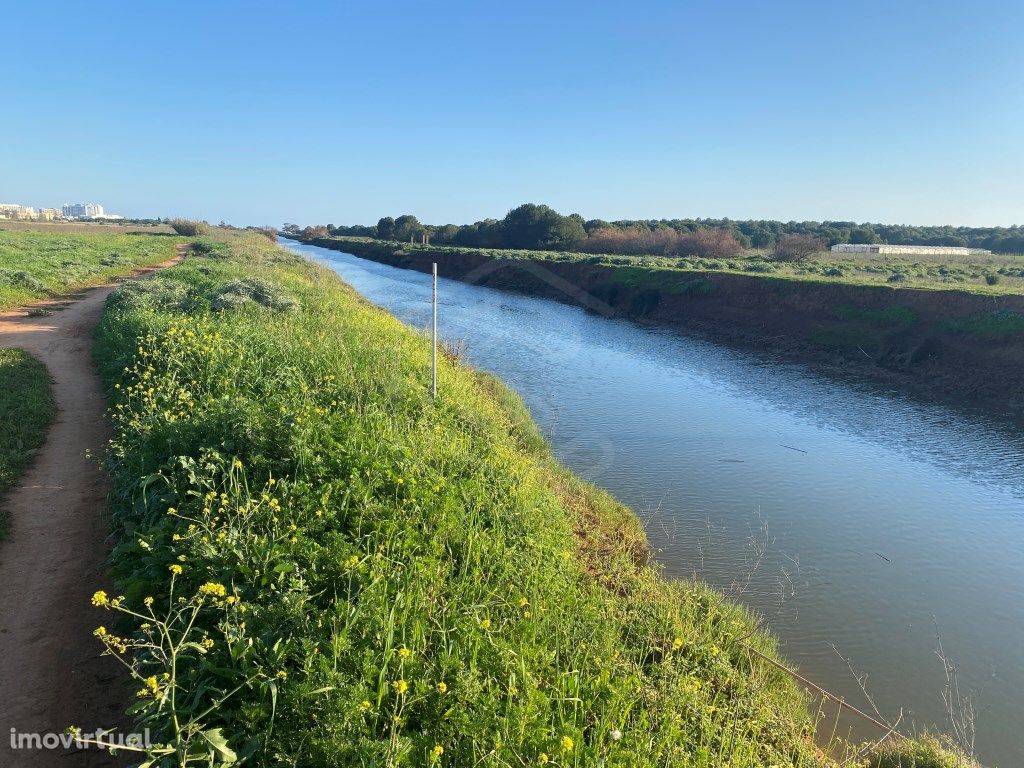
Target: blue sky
pixel 317 112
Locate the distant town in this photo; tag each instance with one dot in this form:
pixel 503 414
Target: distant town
pixel 67 212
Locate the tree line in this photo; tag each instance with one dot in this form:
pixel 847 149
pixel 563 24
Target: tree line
pixel 539 227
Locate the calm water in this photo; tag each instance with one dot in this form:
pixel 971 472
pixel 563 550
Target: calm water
pixel 885 522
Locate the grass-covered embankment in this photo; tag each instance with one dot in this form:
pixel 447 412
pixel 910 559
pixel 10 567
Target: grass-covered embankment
pixel 40 263
pixel 345 573
pixel 26 408
pixel 989 275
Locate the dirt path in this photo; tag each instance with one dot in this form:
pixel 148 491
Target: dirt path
pixel 54 558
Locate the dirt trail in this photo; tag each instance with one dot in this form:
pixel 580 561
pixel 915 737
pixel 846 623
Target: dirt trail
pixel 54 558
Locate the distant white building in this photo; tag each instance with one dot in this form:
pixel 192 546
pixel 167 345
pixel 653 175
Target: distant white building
pixel 909 250
pixel 82 210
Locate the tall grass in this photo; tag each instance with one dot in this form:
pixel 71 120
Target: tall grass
pixel 322 567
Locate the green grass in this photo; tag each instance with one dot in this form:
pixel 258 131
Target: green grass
pixel 322 567
pixel 26 408
pixel 925 752
pixel 40 263
pixel 989 275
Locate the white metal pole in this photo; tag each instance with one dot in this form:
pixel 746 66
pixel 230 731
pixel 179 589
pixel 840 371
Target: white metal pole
pixel 433 346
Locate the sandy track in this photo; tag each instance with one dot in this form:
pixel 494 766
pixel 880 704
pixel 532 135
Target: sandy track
pixel 54 558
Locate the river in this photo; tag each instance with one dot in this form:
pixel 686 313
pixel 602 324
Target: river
pixel 863 525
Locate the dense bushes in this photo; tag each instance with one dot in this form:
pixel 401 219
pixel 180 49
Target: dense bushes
pixel 372 579
pixel 702 243
pixel 189 227
pixel 797 248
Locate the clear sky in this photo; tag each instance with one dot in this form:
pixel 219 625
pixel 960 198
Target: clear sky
pixel 314 112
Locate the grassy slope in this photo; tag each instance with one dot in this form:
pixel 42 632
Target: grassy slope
pixel 928 272
pixel 40 263
pixel 416 584
pixel 26 407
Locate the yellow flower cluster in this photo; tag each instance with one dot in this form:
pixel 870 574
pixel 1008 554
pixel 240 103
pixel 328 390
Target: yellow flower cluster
pixel 152 688
pixel 213 589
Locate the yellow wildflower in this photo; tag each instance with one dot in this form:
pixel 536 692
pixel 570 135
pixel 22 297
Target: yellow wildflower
pixel 485 623
pixel 400 686
pixel 100 632
pixel 213 589
pixel 282 675
pixel 436 752
pixel 677 644
pixel 175 569
pixel 404 653
pixel 148 601
pixel 567 744
pixel 543 759
pixel 100 598
pixel 442 687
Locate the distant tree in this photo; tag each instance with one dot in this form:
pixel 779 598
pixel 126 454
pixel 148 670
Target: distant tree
pixel 797 247
pixel 386 228
pixel 446 235
pixel 406 227
pixel 540 227
pixel 290 229
pixel 864 236
pixel 312 233
pixel 762 238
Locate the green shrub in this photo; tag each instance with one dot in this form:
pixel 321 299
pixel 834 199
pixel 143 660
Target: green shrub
pixel 925 752
pixel 189 227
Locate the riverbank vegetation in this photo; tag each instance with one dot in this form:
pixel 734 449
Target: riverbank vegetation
pixel 539 227
pixel 991 275
pixel 42 262
pixel 26 409
pixel 321 566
